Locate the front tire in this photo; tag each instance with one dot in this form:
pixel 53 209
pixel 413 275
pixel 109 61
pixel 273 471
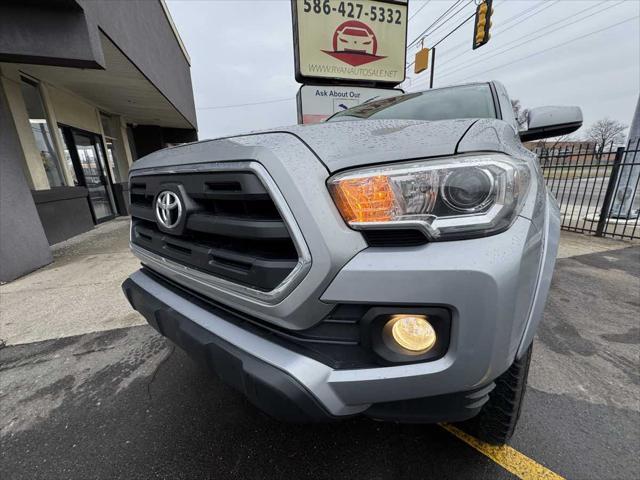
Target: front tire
pixel 497 420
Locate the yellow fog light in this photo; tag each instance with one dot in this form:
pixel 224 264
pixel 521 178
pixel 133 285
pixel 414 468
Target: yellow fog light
pixel 411 332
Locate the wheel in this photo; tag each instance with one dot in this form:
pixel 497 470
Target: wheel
pixel 497 420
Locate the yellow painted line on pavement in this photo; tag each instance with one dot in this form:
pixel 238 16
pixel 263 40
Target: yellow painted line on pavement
pixel 507 457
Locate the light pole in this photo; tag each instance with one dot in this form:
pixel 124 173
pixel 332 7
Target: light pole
pixel 627 184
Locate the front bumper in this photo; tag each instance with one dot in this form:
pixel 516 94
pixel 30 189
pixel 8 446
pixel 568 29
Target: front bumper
pixel 492 285
pixel 273 387
pixel 265 385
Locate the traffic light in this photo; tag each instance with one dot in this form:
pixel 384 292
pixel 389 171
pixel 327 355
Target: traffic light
pixel 422 60
pixel 481 33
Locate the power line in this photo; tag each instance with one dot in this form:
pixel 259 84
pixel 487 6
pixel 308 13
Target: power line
pixel 501 28
pixel 524 12
pixel 448 19
pixel 415 40
pixel 456 28
pixel 503 50
pixel 443 38
pixel 545 7
pixel 555 46
pixel 495 53
pixel 418 11
pixel 452 31
pixel 216 107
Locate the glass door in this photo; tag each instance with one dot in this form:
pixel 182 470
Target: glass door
pixel 86 153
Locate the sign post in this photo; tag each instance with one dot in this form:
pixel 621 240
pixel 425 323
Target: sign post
pixel 433 66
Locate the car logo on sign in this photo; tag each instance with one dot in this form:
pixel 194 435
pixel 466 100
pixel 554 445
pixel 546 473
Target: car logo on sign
pixel 168 209
pixel 354 43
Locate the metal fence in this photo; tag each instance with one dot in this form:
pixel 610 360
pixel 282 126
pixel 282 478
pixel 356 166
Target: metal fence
pixel 596 188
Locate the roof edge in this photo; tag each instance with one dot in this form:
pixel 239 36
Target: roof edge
pixel 167 14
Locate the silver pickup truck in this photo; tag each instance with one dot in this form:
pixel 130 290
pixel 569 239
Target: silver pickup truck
pixel 392 262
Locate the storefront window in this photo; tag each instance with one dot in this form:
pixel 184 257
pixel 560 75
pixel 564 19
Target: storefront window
pixel 41 133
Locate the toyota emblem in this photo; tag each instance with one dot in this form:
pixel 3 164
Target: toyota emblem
pixel 168 209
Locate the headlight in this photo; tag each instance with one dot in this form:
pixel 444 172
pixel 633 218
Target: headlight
pixel 460 196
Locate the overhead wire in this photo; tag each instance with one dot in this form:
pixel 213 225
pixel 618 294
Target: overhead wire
pixel 443 23
pixel 452 31
pixel 544 5
pixel 448 19
pixel 233 105
pixel 494 53
pixel 521 41
pixel 443 38
pixel 554 47
pixel 419 10
pixel 419 37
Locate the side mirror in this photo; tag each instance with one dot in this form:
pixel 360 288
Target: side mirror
pixel 545 122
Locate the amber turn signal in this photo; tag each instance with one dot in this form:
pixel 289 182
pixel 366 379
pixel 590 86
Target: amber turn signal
pixel 364 199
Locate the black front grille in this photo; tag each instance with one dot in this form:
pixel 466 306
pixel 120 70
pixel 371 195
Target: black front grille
pixel 233 229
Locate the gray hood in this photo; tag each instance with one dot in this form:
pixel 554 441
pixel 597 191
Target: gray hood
pixel 338 145
pixel 353 143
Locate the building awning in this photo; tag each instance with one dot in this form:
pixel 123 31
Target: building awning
pixel 120 88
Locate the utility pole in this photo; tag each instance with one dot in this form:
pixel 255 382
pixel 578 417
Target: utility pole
pixel 627 184
pixel 433 65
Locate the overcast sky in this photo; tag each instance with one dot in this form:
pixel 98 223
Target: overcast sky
pixel 241 52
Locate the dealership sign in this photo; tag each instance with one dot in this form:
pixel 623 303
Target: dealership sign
pixel 350 41
pixel 316 103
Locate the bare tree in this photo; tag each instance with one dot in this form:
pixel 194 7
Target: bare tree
pixel 569 137
pixel 606 131
pixel 520 113
pixel 547 146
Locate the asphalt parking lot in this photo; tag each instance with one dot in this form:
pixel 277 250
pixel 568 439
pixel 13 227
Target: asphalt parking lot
pixel 123 403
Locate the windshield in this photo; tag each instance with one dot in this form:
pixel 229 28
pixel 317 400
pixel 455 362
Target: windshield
pixel 468 101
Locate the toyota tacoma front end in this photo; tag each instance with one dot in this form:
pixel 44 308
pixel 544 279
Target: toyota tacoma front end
pixel 392 262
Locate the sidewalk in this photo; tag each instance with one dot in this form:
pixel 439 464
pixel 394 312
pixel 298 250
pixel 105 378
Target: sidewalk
pixel 574 244
pixel 80 291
